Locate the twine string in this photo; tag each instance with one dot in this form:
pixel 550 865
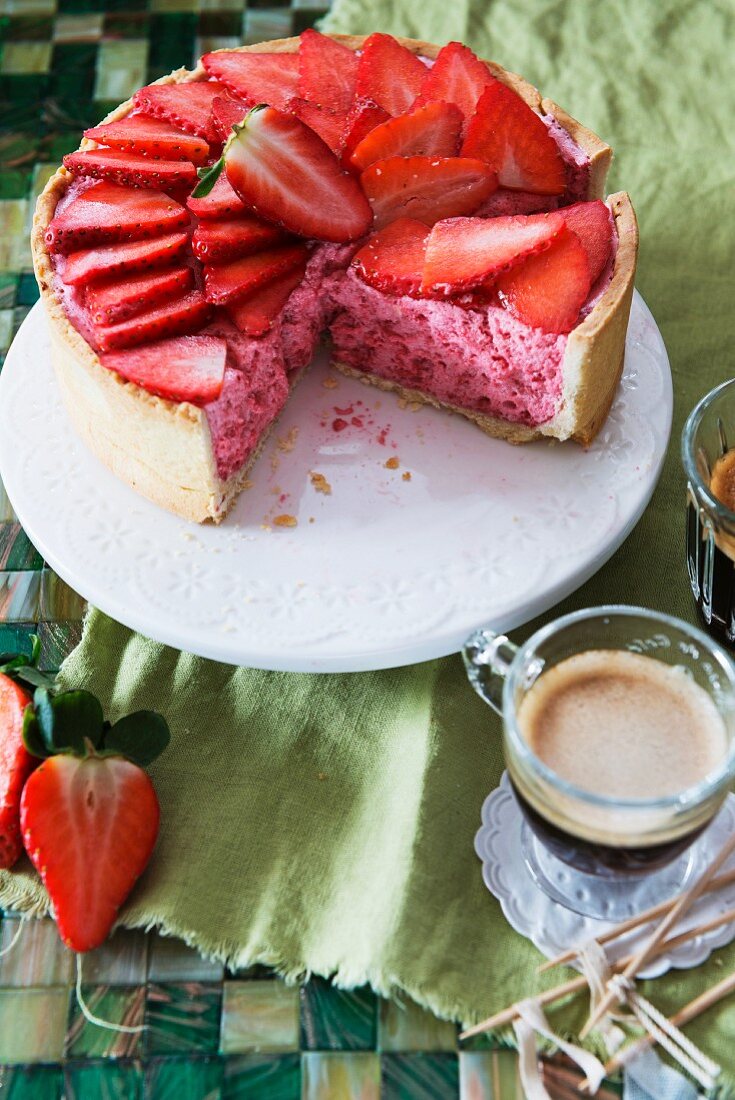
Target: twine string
pixel 126 1029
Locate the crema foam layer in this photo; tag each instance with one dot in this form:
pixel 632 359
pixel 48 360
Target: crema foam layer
pixel 623 725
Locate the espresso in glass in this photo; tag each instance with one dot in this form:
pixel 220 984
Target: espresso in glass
pixel 622 725
pixel 708 455
pixel 619 742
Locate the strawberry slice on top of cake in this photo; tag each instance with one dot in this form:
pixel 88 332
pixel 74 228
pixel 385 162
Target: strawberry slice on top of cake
pixel 425 211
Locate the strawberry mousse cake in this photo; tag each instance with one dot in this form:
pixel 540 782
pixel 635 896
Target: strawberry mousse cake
pixel 441 225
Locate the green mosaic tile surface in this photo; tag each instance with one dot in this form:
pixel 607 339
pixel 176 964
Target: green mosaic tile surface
pixel 209 1035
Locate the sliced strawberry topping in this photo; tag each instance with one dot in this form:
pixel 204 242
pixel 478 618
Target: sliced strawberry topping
pixel 465 252
pixel 364 116
pixel 389 74
pixel 221 202
pixel 256 77
pixel 117 299
pixel 433 130
pixel 89 826
pixel 426 188
pixel 393 259
pixel 131 170
pixel 106 213
pixel 225 283
pixel 593 224
pixel 548 290
pixel 327 72
pixel 327 124
pixel 115 260
pixel 187 105
pixel 215 242
pixel 457 76
pixel 187 368
pixel 226 113
pixel 170 319
pixel 150 137
pixel 289 176
pixel 16 764
pixel 255 316
pixel 506 133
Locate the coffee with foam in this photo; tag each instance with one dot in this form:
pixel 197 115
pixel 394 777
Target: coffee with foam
pixel 622 726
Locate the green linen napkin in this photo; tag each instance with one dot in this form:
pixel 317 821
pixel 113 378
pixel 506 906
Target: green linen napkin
pixel 326 823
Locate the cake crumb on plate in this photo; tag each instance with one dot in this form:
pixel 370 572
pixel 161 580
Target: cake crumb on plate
pixel 320 483
pixel 407 476
pixel 285 520
pixel 286 443
pixel 392 463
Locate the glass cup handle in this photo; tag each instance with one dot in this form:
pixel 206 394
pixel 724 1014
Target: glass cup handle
pixel 487 658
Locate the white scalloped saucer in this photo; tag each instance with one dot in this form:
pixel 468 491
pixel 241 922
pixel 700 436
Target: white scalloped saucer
pixel 383 571
pixel 552 928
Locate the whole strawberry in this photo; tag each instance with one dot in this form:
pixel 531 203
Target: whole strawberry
pixel 89 813
pixel 17 674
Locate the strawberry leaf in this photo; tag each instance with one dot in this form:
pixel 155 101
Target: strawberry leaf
pixel 60 723
pixel 207 179
pixel 140 736
pixel 32 738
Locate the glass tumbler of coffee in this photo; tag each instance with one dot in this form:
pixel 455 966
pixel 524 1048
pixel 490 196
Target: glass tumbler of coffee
pixel 708 455
pixel 619 741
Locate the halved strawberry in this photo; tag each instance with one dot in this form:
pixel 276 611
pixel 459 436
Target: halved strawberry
pixel 256 77
pixel 255 315
pixel 389 74
pixel 289 176
pixel 150 137
pixel 327 124
pixel 221 202
pixel 426 188
pixel 363 117
pixel 131 170
pixel 115 260
pixel 511 137
pixel 117 299
pixel 593 224
pixel 548 290
pixel 327 72
pixel 106 213
pixel 187 105
pixel 457 76
pixel 433 130
pixel 186 368
pixel 463 253
pixel 216 242
pixel 226 113
pixel 393 259
pixel 170 319
pixel 16 764
pixel 225 283
pixel 89 827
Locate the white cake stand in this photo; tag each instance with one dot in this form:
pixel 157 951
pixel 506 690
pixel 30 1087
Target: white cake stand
pixel 387 569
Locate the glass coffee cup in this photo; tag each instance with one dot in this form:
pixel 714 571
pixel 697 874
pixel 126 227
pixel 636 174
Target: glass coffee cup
pixel 596 851
pixel 707 440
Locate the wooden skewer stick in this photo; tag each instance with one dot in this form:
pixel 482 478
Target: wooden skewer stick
pixel 683 1016
pixel 574 985
pixel 677 911
pixel 634 922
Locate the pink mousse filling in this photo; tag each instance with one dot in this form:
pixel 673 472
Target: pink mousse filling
pixel 482 360
pixel 256 383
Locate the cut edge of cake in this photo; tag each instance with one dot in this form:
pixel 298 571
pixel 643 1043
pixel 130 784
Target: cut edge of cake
pixel 592 363
pixel 167 454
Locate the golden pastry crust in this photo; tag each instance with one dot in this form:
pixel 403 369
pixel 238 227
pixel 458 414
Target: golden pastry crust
pixel 166 452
